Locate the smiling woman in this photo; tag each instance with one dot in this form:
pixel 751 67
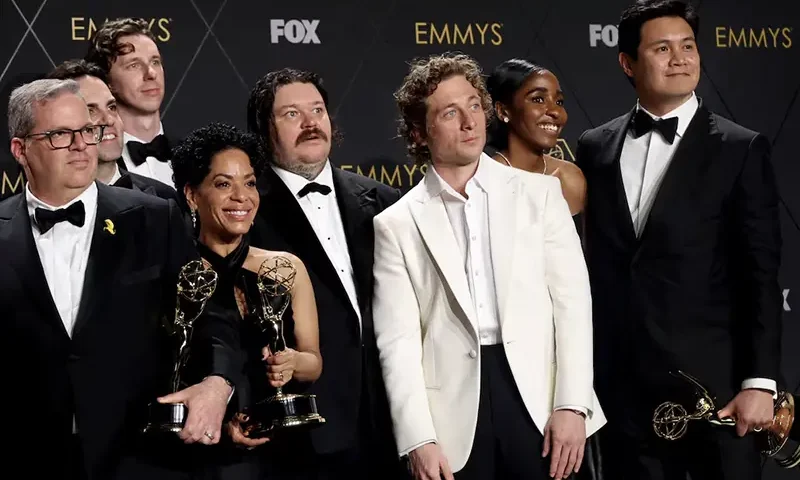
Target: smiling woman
pixel 530 116
pixel 216 168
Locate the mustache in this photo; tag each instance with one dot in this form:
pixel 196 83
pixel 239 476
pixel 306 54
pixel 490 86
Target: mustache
pixel 308 134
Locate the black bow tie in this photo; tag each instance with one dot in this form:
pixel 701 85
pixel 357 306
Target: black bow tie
pixel 46 219
pixel 158 148
pixel 314 187
pixel 643 123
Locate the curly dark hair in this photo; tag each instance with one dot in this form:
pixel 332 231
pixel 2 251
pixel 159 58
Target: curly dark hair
pixel 191 157
pixel 104 47
pixel 260 121
pixel 421 81
pixel 77 68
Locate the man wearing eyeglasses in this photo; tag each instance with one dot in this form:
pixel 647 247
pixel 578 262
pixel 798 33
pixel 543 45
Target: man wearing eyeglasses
pixel 87 272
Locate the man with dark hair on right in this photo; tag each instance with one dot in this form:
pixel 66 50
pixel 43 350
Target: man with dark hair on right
pixel 104 110
pixel 126 50
pixel 324 215
pixel 682 239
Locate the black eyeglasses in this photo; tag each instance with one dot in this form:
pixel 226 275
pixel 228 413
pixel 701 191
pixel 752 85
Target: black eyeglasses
pixel 64 138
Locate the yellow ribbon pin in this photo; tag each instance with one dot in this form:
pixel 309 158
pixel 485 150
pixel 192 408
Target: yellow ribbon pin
pixel 109 227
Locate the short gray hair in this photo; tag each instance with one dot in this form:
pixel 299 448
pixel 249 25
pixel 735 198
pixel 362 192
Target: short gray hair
pixel 25 97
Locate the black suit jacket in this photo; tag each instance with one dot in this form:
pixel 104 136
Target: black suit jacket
pixel 698 291
pixel 119 358
pixel 347 354
pixel 134 181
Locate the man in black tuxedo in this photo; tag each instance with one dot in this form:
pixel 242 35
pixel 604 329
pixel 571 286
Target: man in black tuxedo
pixel 683 248
pixel 88 273
pixel 324 216
pixel 103 110
pixel 125 49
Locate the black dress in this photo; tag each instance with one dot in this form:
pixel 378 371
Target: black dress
pixel 281 458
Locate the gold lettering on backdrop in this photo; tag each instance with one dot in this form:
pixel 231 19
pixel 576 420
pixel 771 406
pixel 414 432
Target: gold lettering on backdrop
pixel 83 28
pixel 12 189
pixel 429 33
pixel 769 37
pixel 391 175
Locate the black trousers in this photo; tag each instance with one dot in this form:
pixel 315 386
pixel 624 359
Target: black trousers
pixel 507 444
pixel 631 451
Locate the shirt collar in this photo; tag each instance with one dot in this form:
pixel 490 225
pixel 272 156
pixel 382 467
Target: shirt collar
pixel 437 185
pixel 88 197
pixel 117 175
pixel 685 113
pixel 295 182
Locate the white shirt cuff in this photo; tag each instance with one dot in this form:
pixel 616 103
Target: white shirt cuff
pixel 411 449
pixel 761 383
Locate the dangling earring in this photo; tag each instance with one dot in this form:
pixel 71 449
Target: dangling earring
pixel 194 220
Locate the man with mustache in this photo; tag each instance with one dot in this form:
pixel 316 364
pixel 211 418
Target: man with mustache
pixel 683 245
pixel 104 110
pixel 126 50
pixel 324 216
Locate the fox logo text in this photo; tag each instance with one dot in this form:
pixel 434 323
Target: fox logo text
pixel 295 31
pixel 608 34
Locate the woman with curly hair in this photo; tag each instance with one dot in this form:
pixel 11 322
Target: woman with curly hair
pixel 216 168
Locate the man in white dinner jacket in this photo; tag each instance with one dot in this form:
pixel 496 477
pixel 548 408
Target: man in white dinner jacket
pixel 482 304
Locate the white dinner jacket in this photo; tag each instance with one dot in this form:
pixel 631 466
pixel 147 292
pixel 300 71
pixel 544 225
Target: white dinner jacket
pixel 426 327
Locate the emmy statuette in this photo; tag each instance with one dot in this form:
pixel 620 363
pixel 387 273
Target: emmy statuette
pixel 281 411
pixel 780 441
pixel 196 284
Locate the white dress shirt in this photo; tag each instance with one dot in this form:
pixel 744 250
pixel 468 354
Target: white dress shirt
pixel 643 163
pixel 64 253
pixel 322 212
pixel 469 219
pixel 117 175
pixel 152 167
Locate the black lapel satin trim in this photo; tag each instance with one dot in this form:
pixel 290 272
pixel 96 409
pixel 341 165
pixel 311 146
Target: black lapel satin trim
pixel 613 151
pixel 20 250
pixel 102 262
pixel 356 204
pixel 281 213
pixel 699 145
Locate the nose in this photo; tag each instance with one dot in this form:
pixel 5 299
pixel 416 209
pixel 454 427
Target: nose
pixel 468 119
pixel 238 193
pixel 308 121
pixel 150 72
pixel 77 142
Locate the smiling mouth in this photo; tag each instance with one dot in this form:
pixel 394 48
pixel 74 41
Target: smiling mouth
pixel 549 127
pixel 237 214
pixel 109 136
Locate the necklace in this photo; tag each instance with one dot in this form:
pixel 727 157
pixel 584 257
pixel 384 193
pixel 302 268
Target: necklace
pixel 544 159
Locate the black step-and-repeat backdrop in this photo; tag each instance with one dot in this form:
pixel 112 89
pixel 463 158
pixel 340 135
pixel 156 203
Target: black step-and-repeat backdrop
pixel 215 50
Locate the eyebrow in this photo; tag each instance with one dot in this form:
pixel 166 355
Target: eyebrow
pixel 231 177
pixel 542 90
pixel 453 104
pixel 295 105
pixel 664 40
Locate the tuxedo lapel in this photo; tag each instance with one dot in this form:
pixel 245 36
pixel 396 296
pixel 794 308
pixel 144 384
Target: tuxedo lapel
pixel 284 217
pixel 612 152
pixel 100 268
pixel 502 207
pixel 434 226
pixel 17 242
pixel 356 205
pixel 699 145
